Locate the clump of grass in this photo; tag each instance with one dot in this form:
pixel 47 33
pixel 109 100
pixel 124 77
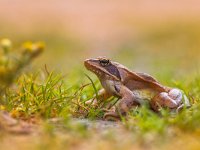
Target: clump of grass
pixel 35 96
pixel 48 95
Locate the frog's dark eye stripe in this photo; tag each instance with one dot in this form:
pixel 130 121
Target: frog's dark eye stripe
pixel 113 70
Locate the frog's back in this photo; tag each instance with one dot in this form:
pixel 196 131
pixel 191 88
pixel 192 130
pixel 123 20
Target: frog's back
pixel 146 76
pixel 138 81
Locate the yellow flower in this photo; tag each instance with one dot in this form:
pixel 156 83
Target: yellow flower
pixel 6 44
pixel 37 48
pixel 33 49
pixel 27 46
pixel 2 107
pixel 16 112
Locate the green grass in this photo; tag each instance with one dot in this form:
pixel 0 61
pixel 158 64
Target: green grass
pixel 48 95
pixel 51 95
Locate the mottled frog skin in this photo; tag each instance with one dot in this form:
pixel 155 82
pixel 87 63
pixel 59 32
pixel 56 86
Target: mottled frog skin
pixel 132 88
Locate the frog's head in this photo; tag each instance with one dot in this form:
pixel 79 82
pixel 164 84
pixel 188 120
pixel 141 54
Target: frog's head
pixel 103 68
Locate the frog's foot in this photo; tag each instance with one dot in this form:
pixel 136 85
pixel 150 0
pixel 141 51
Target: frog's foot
pixel 111 116
pixel 180 108
pixel 186 104
pixel 172 100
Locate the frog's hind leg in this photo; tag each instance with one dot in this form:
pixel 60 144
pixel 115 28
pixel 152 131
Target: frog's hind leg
pixel 172 99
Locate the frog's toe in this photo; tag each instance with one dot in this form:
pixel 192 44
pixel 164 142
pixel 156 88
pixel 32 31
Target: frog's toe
pixel 181 107
pixel 111 116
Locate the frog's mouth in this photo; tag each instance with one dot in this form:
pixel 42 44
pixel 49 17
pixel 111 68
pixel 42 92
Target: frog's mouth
pixel 109 71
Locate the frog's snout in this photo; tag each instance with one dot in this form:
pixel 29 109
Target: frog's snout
pixel 87 63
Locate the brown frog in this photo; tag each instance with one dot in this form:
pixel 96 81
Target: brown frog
pixel 132 88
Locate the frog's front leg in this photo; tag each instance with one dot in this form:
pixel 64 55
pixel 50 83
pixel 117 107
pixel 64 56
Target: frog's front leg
pixel 127 101
pixel 171 99
pixel 102 95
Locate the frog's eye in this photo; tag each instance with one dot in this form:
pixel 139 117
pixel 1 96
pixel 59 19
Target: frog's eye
pixel 104 62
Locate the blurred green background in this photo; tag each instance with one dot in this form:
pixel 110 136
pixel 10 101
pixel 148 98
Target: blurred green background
pixel 158 37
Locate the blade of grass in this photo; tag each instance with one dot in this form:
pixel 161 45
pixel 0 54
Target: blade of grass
pixel 94 87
